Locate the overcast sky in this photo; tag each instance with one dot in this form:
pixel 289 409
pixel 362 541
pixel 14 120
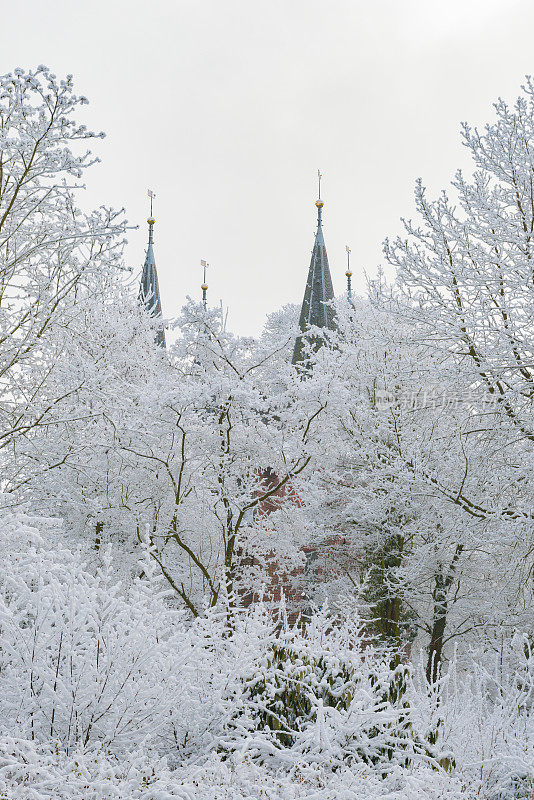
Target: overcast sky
pixel 227 108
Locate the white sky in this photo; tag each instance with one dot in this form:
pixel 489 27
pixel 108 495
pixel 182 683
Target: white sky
pixel 226 108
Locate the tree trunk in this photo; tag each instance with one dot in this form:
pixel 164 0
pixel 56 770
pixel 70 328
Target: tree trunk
pixel 440 596
pixel 99 527
pixel 435 647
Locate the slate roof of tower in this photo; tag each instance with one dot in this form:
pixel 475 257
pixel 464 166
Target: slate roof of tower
pixel 149 288
pixel 316 309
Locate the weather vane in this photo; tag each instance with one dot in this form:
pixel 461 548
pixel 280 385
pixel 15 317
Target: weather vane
pixel 152 195
pixel 319 176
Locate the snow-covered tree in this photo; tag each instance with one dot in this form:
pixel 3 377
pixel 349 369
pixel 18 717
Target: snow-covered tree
pixel 217 434
pixel 465 282
pixel 444 447
pixel 51 252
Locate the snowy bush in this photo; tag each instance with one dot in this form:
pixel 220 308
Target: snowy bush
pixel 481 711
pixel 81 662
pixel 31 772
pixel 323 695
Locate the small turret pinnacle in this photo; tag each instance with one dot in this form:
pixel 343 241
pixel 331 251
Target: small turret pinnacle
pixel 348 273
pixel 204 286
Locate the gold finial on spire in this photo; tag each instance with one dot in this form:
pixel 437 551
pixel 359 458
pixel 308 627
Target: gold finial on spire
pixel 319 203
pixel 152 195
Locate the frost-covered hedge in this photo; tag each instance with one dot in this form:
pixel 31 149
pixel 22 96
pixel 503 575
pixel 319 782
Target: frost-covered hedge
pixel 107 691
pixel 28 772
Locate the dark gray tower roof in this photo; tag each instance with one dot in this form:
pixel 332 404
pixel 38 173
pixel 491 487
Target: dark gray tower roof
pixel 149 288
pixel 316 309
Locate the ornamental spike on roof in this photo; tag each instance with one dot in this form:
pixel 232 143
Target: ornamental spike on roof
pixel 149 288
pixel 316 309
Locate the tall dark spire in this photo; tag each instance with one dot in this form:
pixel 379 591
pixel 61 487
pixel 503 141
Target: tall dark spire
pixel 149 288
pixel 316 309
